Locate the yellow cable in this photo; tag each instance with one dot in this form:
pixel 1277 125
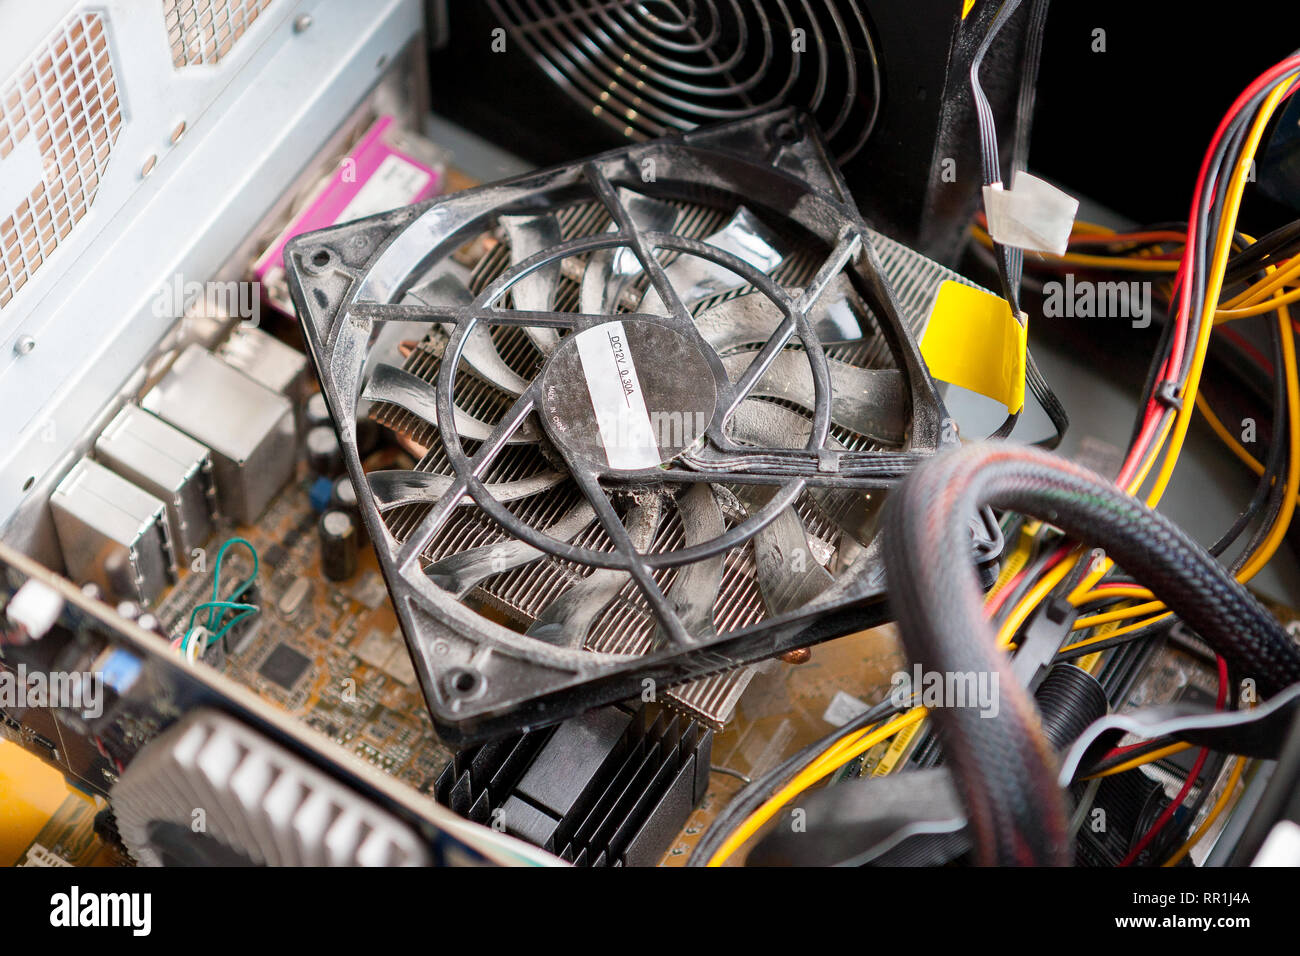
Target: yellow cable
pixel 1219 805
pixel 1020 613
pixel 1263 308
pixel 1080 593
pixel 1139 761
pixel 1223 247
pixel 1119 263
pixel 1277 531
pixel 1217 426
pixel 1123 614
pixel 1225 436
pixel 833 757
pixel 1214 287
pixel 1279 276
pixel 1277 534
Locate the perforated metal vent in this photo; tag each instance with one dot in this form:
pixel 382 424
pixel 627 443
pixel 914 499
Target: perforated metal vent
pixel 654 67
pixel 61 117
pixel 202 32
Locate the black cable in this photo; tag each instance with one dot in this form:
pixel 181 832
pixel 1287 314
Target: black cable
pixel 1004 769
pixel 988 132
pixel 1110 763
pixel 1133 637
pixel 1047 399
pixel 1006 428
pixel 1271 487
pixel 755 794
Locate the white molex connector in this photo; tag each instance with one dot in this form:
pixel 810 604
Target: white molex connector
pixel 35 607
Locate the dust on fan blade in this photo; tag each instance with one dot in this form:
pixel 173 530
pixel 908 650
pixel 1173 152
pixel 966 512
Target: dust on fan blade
pixel 695 279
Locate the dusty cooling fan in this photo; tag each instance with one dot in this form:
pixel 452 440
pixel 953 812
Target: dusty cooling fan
pixel 680 380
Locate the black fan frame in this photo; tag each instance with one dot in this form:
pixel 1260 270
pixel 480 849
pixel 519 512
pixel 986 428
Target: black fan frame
pixel 478 677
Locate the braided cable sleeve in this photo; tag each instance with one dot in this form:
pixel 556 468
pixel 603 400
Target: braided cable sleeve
pixel 1005 770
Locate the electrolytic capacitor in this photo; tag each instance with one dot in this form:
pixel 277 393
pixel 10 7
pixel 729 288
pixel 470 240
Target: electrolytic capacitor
pixel 338 544
pixel 315 412
pixel 323 452
pixel 343 496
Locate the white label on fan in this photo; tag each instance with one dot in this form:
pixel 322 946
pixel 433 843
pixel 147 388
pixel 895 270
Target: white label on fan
pixel 616 395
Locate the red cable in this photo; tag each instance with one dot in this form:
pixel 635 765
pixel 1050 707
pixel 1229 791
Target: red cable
pixel 1170 810
pixel 1183 288
pixel 995 603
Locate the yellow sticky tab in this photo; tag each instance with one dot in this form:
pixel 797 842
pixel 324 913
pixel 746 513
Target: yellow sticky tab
pixel 974 341
pixel 966 8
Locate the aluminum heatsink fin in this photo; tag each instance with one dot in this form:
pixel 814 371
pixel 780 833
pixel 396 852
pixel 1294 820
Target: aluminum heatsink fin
pixel 460 572
pixel 261 805
pixel 566 620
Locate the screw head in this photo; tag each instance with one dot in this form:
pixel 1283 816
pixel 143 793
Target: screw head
pixel 301 22
pixel 24 344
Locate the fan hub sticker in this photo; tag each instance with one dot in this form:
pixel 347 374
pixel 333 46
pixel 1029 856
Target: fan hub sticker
pixel 628 394
pixel 617 398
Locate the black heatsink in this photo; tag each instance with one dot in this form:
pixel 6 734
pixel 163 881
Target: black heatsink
pixel 611 787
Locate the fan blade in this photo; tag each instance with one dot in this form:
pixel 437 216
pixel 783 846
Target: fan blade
pixel 535 292
pixel 566 620
pixel 752 318
pixel 774 426
pixel 596 283
pixel 480 352
pixel 695 589
pixel 399 387
pixel 609 271
pixel 869 401
pixel 459 573
pixel 695 279
pixel 397 487
pixel 788 574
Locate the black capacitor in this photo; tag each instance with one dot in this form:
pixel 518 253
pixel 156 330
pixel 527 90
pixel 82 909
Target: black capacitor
pixel 315 412
pixel 343 496
pixel 323 452
pixel 338 544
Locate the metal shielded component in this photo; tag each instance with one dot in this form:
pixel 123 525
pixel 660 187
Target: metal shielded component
pixel 265 359
pixel 112 532
pixel 248 427
pixel 168 464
